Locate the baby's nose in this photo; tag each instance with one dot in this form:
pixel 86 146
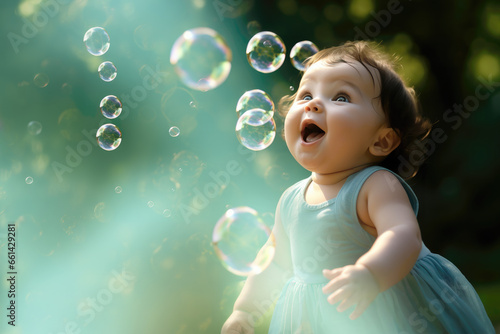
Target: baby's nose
pixel 313 106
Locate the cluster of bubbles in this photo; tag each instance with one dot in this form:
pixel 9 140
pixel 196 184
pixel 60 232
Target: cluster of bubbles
pixel 255 128
pixel 243 242
pixel 266 52
pixel 108 136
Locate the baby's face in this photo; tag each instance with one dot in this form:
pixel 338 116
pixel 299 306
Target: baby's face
pixel 335 117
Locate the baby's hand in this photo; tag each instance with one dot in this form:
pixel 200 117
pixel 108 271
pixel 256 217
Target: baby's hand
pixel 351 285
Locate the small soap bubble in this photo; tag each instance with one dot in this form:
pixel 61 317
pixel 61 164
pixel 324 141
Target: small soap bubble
pixel 111 107
pixel 109 137
pixel 292 88
pixel 151 204
pixel 266 52
pixel 41 80
pixel 107 71
pixel 300 52
pixel 166 213
pixel 255 129
pixel 201 59
pixel 255 98
pixel 97 41
pixel 118 189
pixel 243 242
pixel 192 104
pixel 29 180
pixel 34 128
pixel 174 131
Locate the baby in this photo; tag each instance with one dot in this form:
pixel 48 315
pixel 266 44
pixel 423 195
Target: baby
pixel 348 234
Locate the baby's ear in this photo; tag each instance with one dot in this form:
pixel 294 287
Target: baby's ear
pixel 386 142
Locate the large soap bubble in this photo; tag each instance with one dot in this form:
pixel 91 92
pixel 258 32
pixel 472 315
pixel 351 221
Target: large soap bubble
pixel 255 98
pixel 300 52
pixel 266 52
pixel 242 241
pixel 107 71
pixel 201 58
pixel 111 107
pixel 255 129
pixel 97 41
pixel 109 137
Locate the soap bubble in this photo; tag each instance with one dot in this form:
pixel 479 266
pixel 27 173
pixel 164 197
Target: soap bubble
pixel 111 107
pixel 107 71
pixel 34 128
pixel 97 41
pixel 300 52
pixel 255 98
pixel 29 180
pixel 243 242
pixel 109 137
pixel 201 58
pixel 174 131
pixel 118 189
pixel 255 129
pixel 266 52
pixel 41 80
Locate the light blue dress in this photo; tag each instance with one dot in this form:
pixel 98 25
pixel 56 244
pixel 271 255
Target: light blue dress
pixel 434 298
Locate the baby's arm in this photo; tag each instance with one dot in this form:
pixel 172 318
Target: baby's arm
pixel 256 295
pixel 384 204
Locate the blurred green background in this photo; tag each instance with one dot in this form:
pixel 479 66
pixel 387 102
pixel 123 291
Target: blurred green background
pixel 92 258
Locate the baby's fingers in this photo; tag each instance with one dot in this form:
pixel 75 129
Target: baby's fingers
pixel 360 308
pixel 331 274
pixel 339 295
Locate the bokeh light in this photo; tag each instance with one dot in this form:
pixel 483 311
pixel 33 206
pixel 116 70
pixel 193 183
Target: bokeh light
pixel 201 58
pixel 109 137
pixel 300 52
pixel 266 52
pixel 243 242
pixel 111 107
pixel 107 71
pixel 255 98
pixel 255 129
pixel 97 41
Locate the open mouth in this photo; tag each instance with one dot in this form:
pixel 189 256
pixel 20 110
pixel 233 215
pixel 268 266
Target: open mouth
pixel 312 133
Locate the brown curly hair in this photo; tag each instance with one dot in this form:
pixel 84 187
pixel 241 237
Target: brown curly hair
pixel 399 102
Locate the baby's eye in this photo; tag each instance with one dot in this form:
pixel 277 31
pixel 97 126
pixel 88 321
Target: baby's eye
pixel 306 97
pixel 342 98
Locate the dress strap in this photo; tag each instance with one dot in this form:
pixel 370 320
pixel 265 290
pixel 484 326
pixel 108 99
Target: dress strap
pixel 356 181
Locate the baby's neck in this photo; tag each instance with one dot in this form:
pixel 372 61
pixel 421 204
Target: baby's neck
pixel 337 176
